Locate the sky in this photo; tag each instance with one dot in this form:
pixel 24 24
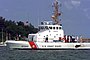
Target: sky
pixel 75 13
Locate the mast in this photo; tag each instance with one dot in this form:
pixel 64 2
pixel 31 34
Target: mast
pixel 56 15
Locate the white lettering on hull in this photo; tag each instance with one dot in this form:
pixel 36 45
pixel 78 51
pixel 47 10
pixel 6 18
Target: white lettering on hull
pixel 51 45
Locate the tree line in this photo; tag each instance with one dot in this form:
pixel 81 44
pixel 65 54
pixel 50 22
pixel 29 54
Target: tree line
pixel 12 29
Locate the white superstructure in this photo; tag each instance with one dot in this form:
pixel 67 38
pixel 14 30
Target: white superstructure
pixel 48 30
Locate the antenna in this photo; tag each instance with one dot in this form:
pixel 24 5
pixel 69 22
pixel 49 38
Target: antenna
pixel 56 15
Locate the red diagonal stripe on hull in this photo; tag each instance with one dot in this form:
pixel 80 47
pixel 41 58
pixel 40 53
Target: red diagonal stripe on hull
pixel 33 45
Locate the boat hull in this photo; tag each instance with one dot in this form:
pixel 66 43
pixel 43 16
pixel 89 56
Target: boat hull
pixel 46 46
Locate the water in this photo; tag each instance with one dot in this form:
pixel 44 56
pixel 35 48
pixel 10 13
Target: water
pixel 6 54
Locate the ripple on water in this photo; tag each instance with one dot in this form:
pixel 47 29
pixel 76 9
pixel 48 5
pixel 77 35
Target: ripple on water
pixel 44 54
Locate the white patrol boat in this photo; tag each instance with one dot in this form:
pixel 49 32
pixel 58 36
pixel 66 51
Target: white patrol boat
pixel 50 36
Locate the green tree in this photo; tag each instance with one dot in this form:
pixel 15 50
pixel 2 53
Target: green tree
pixel 16 28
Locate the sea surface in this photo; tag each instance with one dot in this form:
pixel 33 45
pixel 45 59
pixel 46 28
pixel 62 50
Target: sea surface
pixel 7 54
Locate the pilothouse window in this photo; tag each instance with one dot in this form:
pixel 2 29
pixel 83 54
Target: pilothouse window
pixel 59 27
pixel 46 27
pixel 50 27
pixel 53 27
pixel 42 23
pixel 42 27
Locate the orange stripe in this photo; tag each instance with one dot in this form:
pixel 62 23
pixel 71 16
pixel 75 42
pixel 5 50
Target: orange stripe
pixel 33 45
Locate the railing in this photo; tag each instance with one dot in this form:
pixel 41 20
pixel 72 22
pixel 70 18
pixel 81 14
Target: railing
pixel 85 39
